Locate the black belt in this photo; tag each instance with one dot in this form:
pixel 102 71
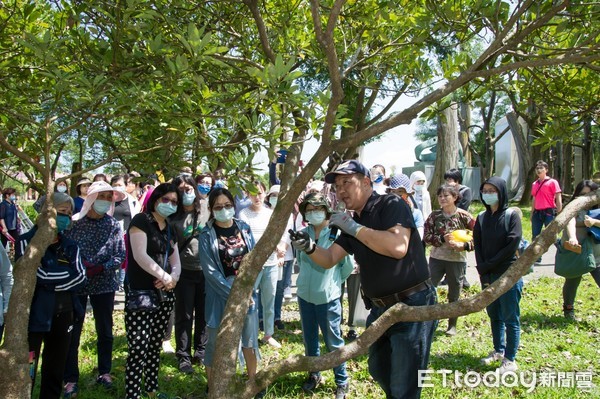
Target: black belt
pixel 390 300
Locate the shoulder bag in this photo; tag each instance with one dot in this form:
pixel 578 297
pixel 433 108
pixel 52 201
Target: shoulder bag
pixel 570 264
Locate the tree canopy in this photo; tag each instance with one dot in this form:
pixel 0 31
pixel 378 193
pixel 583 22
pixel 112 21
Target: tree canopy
pixel 158 85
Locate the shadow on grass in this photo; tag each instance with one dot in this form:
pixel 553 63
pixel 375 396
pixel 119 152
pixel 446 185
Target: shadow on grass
pixel 535 321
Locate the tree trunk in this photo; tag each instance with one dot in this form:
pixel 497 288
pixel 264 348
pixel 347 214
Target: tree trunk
pixel 588 150
pixel 447 147
pixel 14 355
pixel 567 169
pixel 465 122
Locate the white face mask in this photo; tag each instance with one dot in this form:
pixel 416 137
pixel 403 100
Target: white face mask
pixel 61 189
pixel 418 188
pixel 273 202
pixel 316 218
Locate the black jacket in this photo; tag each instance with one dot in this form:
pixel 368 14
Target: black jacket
pixel 495 247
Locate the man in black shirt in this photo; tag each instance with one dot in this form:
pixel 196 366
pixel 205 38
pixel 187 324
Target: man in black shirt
pixel 383 238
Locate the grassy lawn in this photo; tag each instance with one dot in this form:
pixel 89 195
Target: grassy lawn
pixel 549 344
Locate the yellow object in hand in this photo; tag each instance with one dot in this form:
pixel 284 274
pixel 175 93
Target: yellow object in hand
pixel 462 235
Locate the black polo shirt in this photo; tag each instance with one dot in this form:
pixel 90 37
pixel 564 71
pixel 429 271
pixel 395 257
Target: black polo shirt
pixel 382 275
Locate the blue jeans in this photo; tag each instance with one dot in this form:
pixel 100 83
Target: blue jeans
pixel 282 284
pixel 267 283
pixel 540 218
pixel 102 308
pixel 327 317
pixel 505 317
pixel 397 356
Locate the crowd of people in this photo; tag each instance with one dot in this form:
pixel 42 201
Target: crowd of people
pixel 175 249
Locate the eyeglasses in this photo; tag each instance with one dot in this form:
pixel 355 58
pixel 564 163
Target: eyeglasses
pixel 221 207
pixel 488 192
pixel 166 200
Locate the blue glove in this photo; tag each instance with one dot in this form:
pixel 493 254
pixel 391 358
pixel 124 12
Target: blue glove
pixel 345 223
pixel 302 241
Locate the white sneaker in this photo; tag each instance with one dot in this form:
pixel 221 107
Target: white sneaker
pixel 492 358
pixel 167 347
pixel 272 341
pixel 287 293
pixel 507 365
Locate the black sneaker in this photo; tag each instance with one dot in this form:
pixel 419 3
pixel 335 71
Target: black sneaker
pixel 279 324
pixel 198 359
pixel 185 366
pixel 341 391
pixel 313 381
pixel 106 381
pixel 261 326
pixel 351 335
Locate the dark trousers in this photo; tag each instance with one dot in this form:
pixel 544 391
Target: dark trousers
pixel 102 307
pixel 56 345
pixel 189 315
pixel 353 287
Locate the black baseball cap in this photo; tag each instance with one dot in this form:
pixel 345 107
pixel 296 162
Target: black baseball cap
pixel 347 168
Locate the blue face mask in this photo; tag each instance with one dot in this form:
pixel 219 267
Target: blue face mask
pixel 378 179
pixel 224 215
pixel 63 222
pixel 204 188
pixel 101 206
pixel 491 199
pixel 188 198
pixel 166 210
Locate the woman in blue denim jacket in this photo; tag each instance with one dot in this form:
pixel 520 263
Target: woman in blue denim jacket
pixel 319 292
pixel 223 244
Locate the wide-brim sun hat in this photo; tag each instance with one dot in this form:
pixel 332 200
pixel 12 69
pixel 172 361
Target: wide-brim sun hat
pixel 95 188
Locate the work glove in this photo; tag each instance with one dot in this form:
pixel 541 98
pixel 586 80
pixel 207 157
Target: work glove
pixel 302 241
pixel 345 223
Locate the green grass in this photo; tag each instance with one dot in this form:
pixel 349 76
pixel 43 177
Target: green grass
pixel 548 343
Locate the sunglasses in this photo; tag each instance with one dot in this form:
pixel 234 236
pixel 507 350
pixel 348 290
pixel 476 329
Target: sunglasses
pixel 221 207
pixel 166 200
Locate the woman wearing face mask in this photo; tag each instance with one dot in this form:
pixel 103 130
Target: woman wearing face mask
pixel 102 249
pixel 9 221
pixel 189 293
pixel 153 264
pixel 496 242
pixel 54 305
pixel 224 242
pixel 448 256
pixel 60 187
pixel 418 183
pixel 319 292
